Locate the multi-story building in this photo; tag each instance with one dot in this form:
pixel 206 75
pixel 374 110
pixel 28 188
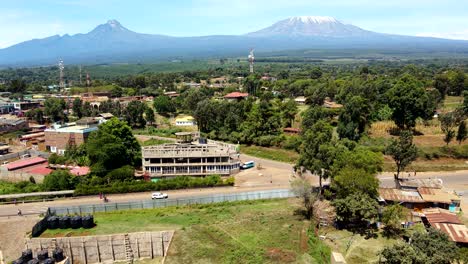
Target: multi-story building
pixel 59 137
pixel 190 159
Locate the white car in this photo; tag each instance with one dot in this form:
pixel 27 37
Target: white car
pixel 158 195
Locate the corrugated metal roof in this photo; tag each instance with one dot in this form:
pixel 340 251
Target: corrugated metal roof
pixel 457 233
pixel 415 183
pixel 437 215
pixel 24 163
pixel 390 194
pixel 437 195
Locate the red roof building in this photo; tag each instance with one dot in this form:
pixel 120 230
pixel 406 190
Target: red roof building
pixel 25 163
pixel 236 95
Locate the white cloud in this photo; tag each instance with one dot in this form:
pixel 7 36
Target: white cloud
pixel 462 35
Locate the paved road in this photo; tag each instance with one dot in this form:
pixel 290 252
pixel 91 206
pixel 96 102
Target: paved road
pixel 273 175
pixel 455 180
pixel 40 207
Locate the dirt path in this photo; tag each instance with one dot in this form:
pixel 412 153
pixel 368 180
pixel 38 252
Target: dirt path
pixel 12 235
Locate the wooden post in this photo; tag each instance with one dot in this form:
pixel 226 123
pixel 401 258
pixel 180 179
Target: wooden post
pixel 111 248
pixel 138 247
pixel 71 250
pixel 151 245
pixel 162 243
pixel 83 246
pixel 98 251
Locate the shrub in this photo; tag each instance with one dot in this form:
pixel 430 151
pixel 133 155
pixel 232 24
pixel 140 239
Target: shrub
pixel 59 180
pixel 181 182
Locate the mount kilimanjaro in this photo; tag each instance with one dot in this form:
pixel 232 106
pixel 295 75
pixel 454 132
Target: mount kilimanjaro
pixel 111 42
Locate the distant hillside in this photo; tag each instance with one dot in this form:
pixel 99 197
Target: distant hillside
pixel 111 42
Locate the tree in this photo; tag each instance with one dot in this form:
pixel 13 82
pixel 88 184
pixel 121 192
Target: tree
pixel 354 119
pixel 289 111
pixel 401 253
pixel 358 158
pixel 164 105
pixel 36 115
pixel 17 86
pixel 116 91
pixel 59 180
pixel 315 94
pixel 317 152
pixel 409 100
pixel 54 108
pixel 112 146
pixel 403 151
pixel 77 107
pixel 457 83
pixel 316 73
pixel 442 84
pixel 304 190
pixel 262 120
pixel 461 133
pixel 125 173
pixel 133 114
pixel 435 245
pixel 192 98
pixel 391 217
pixel 447 125
pixel 149 115
pixel 354 181
pixel 312 115
pixel 431 247
pixel 357 209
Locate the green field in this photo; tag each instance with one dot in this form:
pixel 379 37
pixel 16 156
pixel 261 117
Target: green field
pixel 452 102
pixel 267 231
pixel 277 154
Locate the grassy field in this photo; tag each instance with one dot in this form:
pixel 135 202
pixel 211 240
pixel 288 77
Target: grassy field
pixel 354 247
pixel 252 231
pixel 451 103
pixel 277 154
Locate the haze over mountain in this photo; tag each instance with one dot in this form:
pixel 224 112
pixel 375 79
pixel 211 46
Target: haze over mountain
pixel 112 42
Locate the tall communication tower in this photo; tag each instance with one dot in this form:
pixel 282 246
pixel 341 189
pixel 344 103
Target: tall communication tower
pixel 251 60
pixel 61 68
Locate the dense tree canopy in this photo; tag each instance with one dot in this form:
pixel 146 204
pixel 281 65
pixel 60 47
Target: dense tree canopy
pixel 409 101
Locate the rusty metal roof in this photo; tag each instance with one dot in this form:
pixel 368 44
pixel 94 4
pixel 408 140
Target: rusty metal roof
pixel 438 215
pixel 415 183
pixel 456 232
pixel 437 195
pixel 391 194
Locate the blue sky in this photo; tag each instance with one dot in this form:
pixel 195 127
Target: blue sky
pixel 22 20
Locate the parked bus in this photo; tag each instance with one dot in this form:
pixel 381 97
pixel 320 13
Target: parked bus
pixel 248 165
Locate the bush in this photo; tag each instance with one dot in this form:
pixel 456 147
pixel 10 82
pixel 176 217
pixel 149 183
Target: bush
pixel 181 182
pixel 59 180
pixel 56 159
pixel 125 173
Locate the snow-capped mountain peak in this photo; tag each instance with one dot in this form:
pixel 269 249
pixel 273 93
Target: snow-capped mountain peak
pixel 311 26
pixel 314 19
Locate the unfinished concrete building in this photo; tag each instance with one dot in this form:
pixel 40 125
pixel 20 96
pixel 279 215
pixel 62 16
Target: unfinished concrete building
pixel 205 157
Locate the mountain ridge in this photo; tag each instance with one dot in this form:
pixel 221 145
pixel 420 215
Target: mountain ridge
pixel 112 42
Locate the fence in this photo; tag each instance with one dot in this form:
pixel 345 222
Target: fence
pixel 106 248
pixel 148 204
pixel 40 226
